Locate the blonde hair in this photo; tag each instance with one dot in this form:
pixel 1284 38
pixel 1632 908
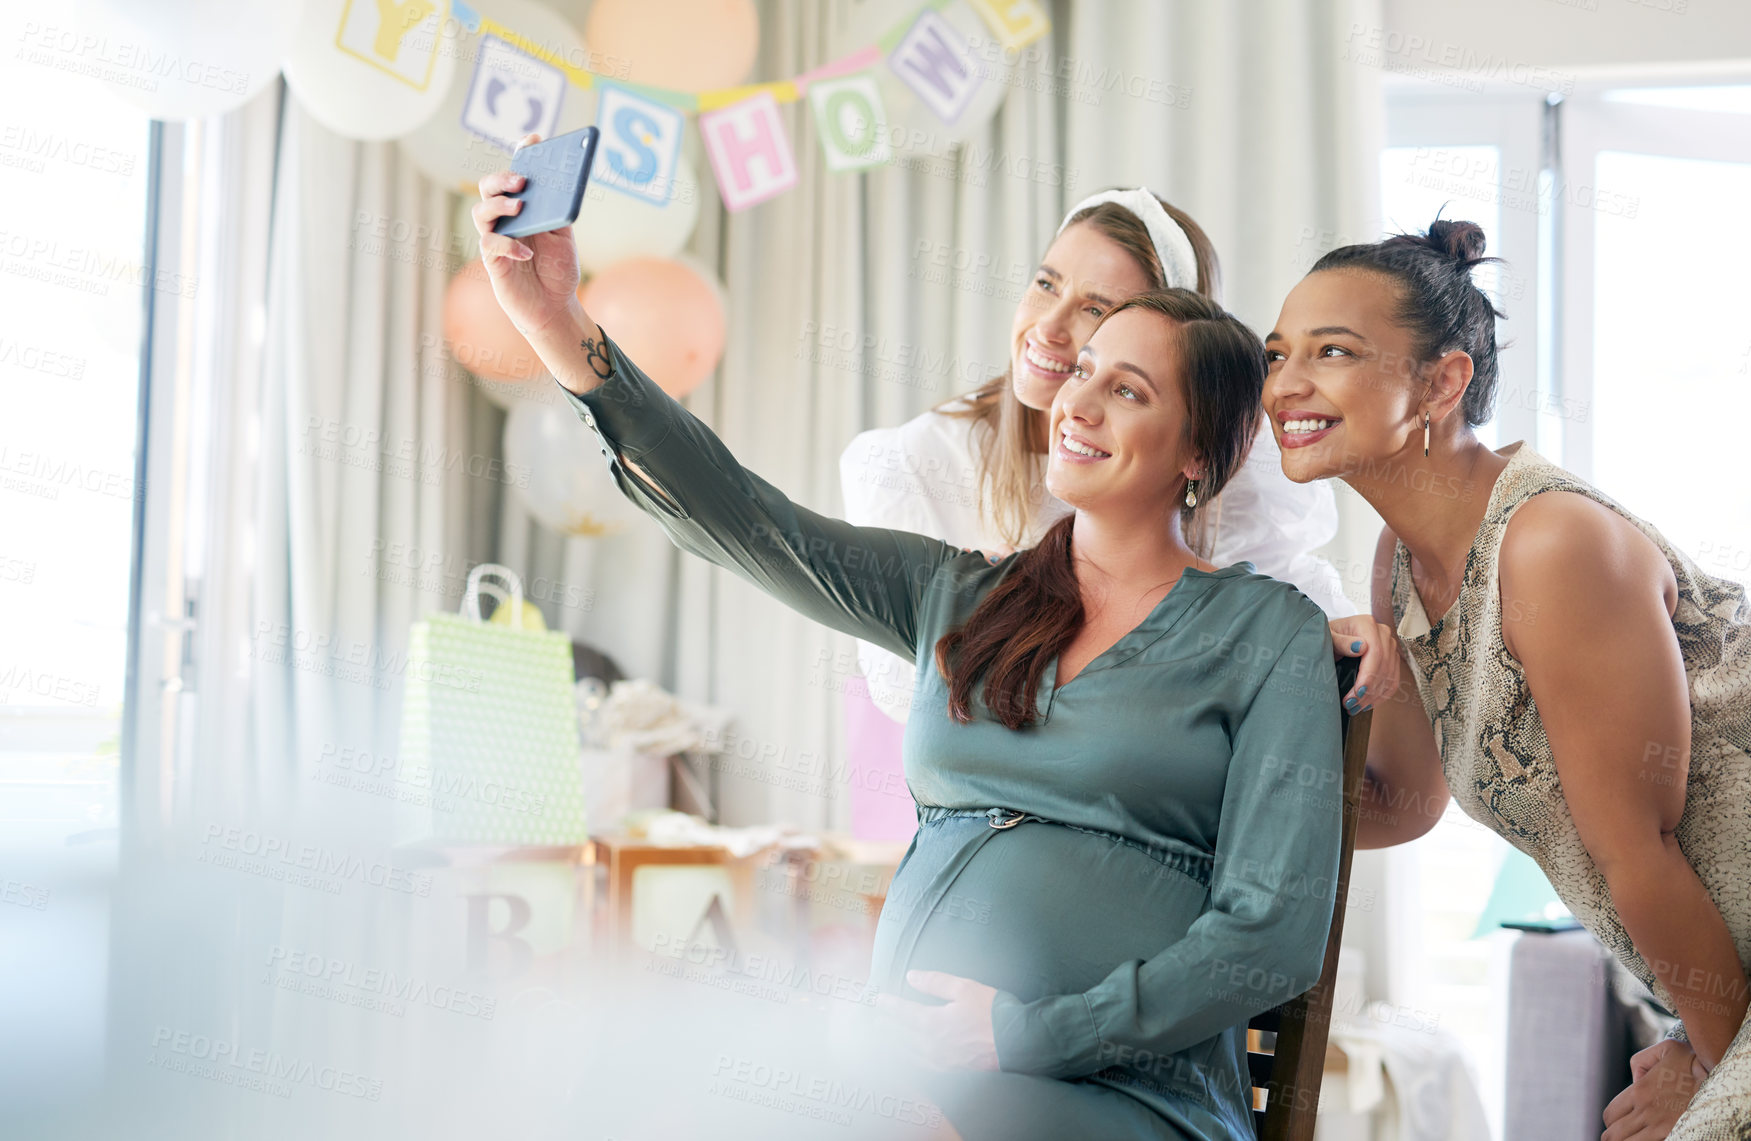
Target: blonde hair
pixel 1011 469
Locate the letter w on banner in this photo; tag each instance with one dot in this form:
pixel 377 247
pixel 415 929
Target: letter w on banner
pixel 933 60
pixel 749 151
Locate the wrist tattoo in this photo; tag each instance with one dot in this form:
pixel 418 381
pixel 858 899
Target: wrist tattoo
pixel 596 353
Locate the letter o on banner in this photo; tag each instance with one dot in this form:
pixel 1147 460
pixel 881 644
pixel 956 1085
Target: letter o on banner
pixel 851 122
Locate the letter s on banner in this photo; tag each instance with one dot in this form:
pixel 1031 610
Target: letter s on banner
pixel 641 144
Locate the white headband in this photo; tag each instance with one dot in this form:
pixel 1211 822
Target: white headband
pixel 1179 263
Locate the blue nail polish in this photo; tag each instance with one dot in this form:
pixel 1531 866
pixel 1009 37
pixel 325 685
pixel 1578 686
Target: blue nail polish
pixel 1350 704
pixel 1356 646
pixel 1361 691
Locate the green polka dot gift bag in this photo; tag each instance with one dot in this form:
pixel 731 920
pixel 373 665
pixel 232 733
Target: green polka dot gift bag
pixel 490 724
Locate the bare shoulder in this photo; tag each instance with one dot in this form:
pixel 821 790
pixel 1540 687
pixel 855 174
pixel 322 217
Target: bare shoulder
pixel 1573 558
pixel 1563 539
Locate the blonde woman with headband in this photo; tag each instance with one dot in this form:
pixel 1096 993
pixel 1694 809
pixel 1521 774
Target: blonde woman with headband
pixel 971 471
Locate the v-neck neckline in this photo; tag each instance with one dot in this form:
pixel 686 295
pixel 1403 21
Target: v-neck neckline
pixel 1156 623
pixel 1431 629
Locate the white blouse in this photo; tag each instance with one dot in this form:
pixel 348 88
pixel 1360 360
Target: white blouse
pixel 923 476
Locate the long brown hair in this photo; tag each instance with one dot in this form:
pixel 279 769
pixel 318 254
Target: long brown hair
pixel 1011 475
pixel 1028 619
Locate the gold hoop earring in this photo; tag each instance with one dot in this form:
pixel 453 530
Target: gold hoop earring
pixel 1191 493
pixel 1425 433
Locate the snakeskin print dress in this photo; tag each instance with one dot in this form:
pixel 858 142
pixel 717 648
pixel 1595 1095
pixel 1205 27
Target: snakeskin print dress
pixel 1498 763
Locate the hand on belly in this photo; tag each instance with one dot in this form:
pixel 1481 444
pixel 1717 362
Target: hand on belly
pixel 954 1035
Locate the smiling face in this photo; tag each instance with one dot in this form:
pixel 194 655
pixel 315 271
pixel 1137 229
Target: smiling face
pixel 1343 389
pixel 1083 274
pixel 1119 423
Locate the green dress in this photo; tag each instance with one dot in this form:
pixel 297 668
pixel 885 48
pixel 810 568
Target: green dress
pixel 1137 873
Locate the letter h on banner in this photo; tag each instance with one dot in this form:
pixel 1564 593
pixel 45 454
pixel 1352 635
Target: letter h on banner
pixel 750 154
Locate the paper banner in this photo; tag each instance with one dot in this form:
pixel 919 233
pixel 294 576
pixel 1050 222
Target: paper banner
pixel 749 151
pixel 513 93
pixel 1015 23
pixel 399 39
pixel 851 122
pixel 932 60
pixel 370 75
pixel 640 143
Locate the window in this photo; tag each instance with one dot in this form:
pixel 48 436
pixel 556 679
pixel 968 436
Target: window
pixel 74 163
pixel 1656 325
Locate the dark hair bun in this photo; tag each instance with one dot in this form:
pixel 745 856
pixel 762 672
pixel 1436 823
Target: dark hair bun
pixel 1437 299
pixel 1461 241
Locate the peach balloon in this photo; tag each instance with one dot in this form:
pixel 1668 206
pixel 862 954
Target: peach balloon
pixel 480 336
pixel 685 45
pixel 664 314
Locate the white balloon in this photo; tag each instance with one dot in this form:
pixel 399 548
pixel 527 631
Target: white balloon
pixel 569 486
pixel 455 156
pixel 366 83
pixel 614 226
pixel 186 59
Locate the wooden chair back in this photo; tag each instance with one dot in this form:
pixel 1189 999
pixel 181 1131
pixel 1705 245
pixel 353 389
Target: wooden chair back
pixel 1286 1044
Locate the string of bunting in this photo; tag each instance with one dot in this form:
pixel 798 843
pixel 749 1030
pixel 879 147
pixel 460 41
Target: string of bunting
pixel 741 127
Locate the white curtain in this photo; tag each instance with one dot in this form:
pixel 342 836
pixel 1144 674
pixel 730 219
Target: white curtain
pixel 1245 113
pixel 343 477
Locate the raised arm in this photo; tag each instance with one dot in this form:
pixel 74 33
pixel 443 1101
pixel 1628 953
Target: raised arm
pixel 868 582
pixel 1262 941
pixel 892 678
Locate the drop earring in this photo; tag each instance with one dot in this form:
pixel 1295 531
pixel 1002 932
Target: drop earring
pixel 1191 493
pixel 1425 433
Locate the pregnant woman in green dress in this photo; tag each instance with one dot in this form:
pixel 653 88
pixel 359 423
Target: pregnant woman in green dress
pixel 1589 687
pixel 1113 872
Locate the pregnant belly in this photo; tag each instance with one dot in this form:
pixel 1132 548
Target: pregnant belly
pixel 1039 909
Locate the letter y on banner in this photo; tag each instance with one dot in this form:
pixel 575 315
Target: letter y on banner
pixel 1015 23
pixel 749 151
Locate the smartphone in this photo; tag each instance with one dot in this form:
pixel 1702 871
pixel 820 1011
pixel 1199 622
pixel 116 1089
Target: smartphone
pixel 555 172
pixel 1543 926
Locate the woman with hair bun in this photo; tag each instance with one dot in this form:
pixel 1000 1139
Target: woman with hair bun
pixel 1585 688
